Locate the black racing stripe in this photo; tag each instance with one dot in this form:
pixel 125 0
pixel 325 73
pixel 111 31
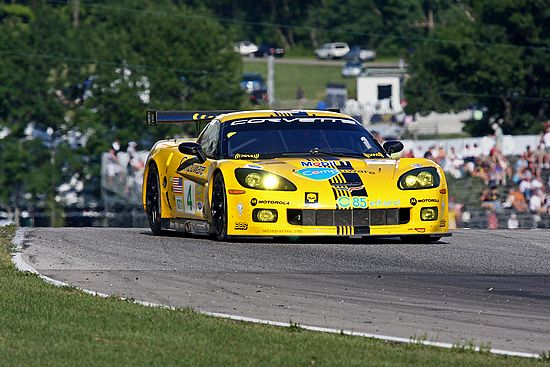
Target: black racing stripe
pixel 168 200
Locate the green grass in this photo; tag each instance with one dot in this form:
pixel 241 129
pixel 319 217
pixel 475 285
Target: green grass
pixel 43 325
pixel 312 78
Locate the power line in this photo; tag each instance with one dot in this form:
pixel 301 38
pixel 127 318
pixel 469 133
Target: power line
pixel 485 95
pixel 107 63
pixel 305 28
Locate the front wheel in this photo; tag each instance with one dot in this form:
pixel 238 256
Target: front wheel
pixel 219 209
pixel 153 200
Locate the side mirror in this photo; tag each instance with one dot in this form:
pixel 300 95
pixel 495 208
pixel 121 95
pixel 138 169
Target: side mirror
pixel 192 148
pixel 393 146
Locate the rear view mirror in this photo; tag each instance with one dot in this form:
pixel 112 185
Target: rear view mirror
pixel 192 148
pixel 393 146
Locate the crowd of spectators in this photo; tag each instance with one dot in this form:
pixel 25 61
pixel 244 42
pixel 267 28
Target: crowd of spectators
pixel 123 170
pixel 525 179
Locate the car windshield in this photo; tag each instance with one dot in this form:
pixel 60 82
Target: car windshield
pixel 282 137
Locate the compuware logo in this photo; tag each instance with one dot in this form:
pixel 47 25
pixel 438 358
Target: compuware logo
pixel 318 174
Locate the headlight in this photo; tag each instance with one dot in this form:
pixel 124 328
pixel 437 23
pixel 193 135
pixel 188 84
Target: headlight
pixel 420 178
pixel 262 180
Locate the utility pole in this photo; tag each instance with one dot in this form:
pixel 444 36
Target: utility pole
pixel 76 13
pixel 270 79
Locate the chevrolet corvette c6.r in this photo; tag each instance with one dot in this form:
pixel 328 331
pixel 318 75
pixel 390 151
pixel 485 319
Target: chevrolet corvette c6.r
pixel 289 173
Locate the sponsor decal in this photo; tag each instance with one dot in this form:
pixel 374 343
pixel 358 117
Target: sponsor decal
pixel 199 206
pixel 189 197
pixel 287 231
pixel 294 120
pixel 442 223
pixel 365 142
pixel 311 198
pixel 253 166
pixel 179 204
pixel 416 165
pixel 253 201
pixel 240 208
pixel 428 200
pixel 384 202
pixel 345 202
pixel 196 169
pixel 414 201
pixel 177 183
pixel 241 226
pixel 241 156
pixel 319 164
pixel 164 182
pixel 373 155
pixel 272 202
pixel 318 174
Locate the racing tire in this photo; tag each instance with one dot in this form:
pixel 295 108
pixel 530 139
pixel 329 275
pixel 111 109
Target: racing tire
pixel 218 209
pixel 153 200
pixel 420 239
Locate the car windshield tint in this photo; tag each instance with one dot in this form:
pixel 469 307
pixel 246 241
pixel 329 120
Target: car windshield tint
pixel 271 137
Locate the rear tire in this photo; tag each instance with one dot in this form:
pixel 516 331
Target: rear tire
pixel 219 208
pixel 153 200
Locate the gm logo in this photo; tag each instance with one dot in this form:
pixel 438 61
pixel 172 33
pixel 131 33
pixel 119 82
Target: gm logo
pixel 413 201
pixel 312 198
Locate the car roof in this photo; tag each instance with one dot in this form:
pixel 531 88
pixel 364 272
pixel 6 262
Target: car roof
pixel 279 113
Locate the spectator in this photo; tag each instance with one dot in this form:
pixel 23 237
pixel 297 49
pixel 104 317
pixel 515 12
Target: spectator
pixel 490 199
pixel 516 200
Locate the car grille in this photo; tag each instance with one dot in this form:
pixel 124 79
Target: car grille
pixel 355 217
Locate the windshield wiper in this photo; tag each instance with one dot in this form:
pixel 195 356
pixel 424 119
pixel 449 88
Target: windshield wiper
pixel 317 151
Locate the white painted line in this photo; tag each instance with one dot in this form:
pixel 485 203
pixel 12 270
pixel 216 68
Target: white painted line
pixel 23 266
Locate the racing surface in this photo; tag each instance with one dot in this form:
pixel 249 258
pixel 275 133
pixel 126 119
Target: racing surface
pixel 477 286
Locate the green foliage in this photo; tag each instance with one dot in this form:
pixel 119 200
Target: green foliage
pixel 494 55
pixel 97 80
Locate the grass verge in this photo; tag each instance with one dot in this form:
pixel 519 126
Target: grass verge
pixel 43 325
pixel 312 79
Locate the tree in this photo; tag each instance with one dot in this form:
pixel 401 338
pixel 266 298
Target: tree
pixel 95 78
pixel 494 55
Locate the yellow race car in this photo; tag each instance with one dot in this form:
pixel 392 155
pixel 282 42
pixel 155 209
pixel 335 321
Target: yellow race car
pixel 289 173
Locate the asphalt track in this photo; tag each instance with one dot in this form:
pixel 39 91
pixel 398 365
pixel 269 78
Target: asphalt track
pixel 476 287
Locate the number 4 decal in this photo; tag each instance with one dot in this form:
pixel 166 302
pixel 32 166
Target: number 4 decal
pixel 189 192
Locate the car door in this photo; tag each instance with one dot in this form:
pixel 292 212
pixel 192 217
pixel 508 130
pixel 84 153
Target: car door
pixel 194 175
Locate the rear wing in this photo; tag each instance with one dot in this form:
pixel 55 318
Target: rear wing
pixel 155 117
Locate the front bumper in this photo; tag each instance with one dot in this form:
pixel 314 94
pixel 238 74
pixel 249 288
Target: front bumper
pixel 329 221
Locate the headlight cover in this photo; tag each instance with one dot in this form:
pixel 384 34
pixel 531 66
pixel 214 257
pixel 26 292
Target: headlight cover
pixel 262 180
pixel 419 178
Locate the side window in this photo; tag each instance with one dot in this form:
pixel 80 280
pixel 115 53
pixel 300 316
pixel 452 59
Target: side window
pixel 209 139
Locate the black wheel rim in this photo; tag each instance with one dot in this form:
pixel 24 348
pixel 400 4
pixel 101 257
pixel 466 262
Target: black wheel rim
pixel 153 198
pixel 218 207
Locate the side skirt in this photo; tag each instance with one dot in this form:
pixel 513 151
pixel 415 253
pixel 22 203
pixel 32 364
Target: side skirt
pixel 192 226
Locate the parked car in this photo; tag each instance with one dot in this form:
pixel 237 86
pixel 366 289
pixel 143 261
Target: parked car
pixel 352 68
pixel 266 49
pixel 254 85
pixel 334 50
pixel 245 48
pixel 361 54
